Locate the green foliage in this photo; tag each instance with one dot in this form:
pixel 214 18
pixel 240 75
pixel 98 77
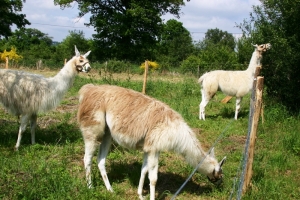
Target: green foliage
pixel 215 52
pixel 9 15
pixel 34 45
pixel 175 44
pixel 217 36
pixel 217 56
pixel 190 65
pixel 276 22
pixel 244 50
pixel 116 66
pixel 66 49
pixel 24 38
pixel 126 30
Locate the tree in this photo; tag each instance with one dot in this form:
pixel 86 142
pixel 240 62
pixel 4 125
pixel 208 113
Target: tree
pixel 244 51
pixel 32 44
pixel 216 51
pixel 9 15
pixel 277 22
pixel 65 50
pixel 126 29
pixel 217 36
pixel 23 38
pixel 176 42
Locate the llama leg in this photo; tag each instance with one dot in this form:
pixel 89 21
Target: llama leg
pixel 90 145
pixel 103 151
pixel 144 171
pixel 23 123
pixel 152 173
pixel 33 127
pixel 202 105
pixel 237 107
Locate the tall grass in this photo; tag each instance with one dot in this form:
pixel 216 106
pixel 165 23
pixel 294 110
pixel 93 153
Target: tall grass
pixel 53 168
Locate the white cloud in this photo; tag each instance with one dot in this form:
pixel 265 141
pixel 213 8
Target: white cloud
pixel 198 16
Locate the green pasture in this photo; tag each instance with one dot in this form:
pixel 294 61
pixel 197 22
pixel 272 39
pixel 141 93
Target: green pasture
pixel 53 168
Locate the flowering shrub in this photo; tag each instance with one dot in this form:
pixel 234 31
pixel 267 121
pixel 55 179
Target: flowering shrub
pixel 12 55
pixel 151 65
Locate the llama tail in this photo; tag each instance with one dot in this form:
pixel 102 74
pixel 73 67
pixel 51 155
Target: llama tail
pixel 83 90
pixel 200 80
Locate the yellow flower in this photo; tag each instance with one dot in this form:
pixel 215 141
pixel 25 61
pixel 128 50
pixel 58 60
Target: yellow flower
pixel 151 65
pixel 12 55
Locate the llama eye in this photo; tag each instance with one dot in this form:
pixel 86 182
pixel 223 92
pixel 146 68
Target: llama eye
pixel 81 61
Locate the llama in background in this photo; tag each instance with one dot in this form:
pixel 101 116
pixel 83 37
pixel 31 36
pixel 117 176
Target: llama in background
pixel 137 121
pixel 25 95
pixel 231 83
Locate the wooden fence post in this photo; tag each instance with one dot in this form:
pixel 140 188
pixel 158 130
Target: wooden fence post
pixel 6 62
pixel 145 77
pixel 257 105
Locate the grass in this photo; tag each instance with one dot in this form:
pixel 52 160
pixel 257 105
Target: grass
pixel 53 168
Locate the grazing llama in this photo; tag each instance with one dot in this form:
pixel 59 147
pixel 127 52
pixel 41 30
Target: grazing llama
pixel 136 121
pixel 231 83
pixel 25 95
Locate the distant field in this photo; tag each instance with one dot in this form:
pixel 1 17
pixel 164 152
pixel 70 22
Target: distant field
pixel 53 168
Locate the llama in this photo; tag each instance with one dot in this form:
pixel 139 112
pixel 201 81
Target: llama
pixel 231 83
pixel 137 121
pixel 25 95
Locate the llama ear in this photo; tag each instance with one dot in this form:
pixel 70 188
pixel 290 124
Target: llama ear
pixel 255 45
pixel 86 54
pixel 76 52
pixel 212 152
pixel 222 161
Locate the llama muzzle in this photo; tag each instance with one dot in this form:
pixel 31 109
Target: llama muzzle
pixel 84 67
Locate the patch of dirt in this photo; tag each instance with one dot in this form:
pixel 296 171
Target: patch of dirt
pixel 236 143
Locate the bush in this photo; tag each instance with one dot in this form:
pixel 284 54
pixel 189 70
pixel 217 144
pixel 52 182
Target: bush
pixel 190 65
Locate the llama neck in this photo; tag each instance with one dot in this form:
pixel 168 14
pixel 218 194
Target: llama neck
pixel 254 62
pixel 59 85
pixel 64 79
pixel 190 149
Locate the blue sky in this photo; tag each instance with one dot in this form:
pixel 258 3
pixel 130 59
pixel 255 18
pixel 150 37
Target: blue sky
pixel 197 17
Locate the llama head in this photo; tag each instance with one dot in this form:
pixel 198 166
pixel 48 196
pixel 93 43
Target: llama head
pixel 215 175
pixel 82 63
pixel 262 48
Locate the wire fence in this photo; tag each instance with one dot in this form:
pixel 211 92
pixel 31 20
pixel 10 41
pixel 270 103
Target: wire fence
pixel 239 185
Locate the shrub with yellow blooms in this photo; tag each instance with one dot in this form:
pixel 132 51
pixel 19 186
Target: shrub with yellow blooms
pixel 12 55
pixel 151 65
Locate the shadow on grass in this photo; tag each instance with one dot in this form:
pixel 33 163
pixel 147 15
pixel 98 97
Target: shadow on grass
pixel 167 183
pixel 58 133
pixel 224 113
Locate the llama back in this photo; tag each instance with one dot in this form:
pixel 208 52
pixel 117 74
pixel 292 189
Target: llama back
pixel 16 88
pixel 135 120
pixel 209 75
pixel 22 92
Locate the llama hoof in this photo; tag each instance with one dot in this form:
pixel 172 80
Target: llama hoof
pixel 16 148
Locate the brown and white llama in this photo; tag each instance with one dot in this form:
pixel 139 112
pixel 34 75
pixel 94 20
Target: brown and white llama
pixel 137 121
pixel 231 83
pixel 25 95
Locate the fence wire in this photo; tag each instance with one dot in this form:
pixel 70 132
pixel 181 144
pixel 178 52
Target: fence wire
pixel 195 169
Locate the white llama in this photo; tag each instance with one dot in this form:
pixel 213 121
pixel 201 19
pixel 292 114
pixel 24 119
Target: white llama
pixel 231 83
pixel 25 95
pixel 137 121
